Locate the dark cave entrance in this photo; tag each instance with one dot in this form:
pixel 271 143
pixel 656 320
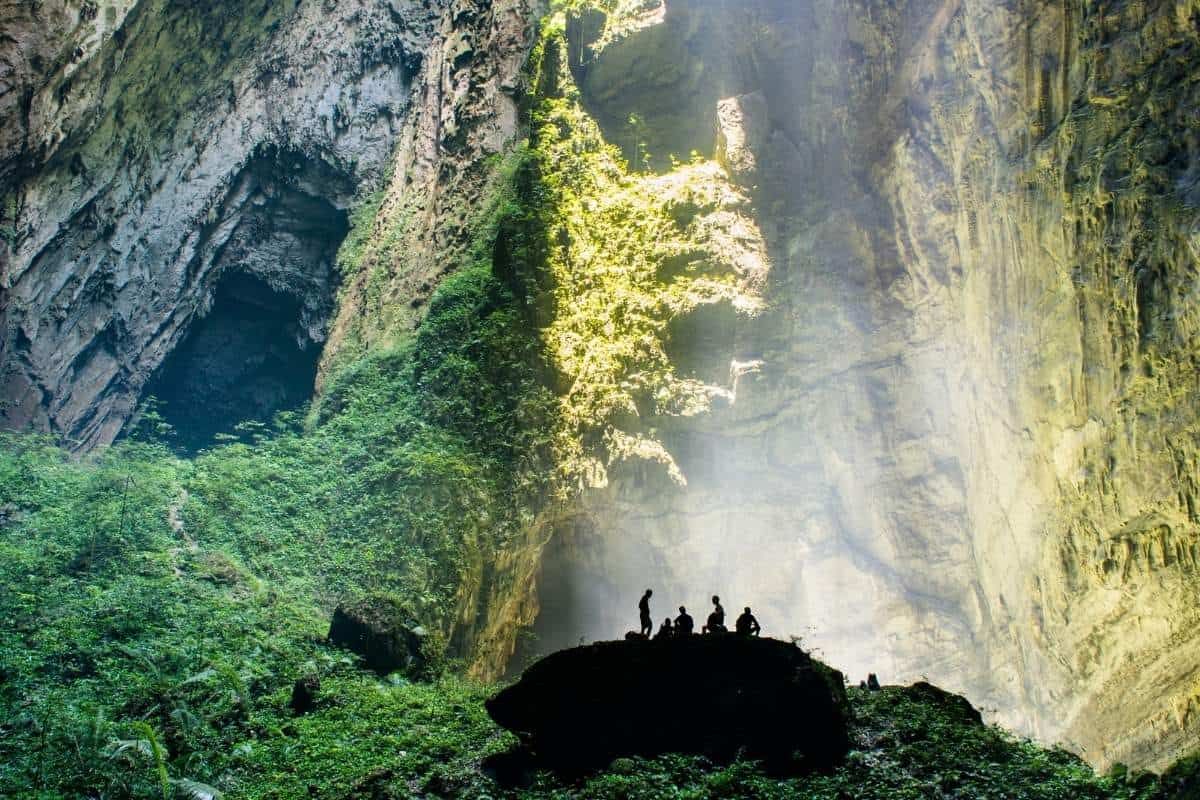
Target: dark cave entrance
pixel 255 351
pixel 244 361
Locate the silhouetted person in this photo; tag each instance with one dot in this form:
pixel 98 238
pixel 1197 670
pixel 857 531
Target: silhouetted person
pixel 716 620
pixel 683 623
pixel 747 625
pixel 873 682
pixel 644 610
pixel 666 631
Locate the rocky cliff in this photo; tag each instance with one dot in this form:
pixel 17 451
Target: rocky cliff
pixel 879 316
pixel 153 149
pixel 954 436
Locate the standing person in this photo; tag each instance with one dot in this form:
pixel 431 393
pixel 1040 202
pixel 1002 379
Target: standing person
pixel 716 620
pixel 644 611
pixel 746 624
pixel 683 623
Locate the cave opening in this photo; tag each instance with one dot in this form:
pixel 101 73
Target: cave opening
pixel 252 347
pixel 246 360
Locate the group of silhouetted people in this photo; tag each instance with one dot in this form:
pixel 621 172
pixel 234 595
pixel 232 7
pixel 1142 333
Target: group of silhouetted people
pixel 746 624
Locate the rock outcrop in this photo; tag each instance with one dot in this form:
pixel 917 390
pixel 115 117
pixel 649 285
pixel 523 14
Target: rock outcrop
pixel 716 696
pixel 379 629
pixel 953 705
pixel 182 144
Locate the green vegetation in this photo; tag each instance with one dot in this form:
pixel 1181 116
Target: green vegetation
pixel 631 253
pixel 187 594
pixel 161 666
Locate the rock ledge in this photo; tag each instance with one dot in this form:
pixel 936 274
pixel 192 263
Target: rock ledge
pixel 716 696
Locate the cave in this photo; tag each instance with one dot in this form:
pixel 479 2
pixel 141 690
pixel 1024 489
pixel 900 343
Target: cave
pixel 252 347
pixel 246 360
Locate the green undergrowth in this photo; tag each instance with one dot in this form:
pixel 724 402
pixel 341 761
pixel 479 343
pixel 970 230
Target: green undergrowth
pixel 433 741
pixel 187 594
pixel 141 663
pixel 147 636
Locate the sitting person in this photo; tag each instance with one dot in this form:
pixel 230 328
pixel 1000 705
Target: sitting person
pixel 716 620
pixel 666 631
pixel 683 623
pixel 747 625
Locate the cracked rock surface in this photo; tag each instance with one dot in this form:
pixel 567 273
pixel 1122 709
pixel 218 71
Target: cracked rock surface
pixel 192 141
pixel 963 440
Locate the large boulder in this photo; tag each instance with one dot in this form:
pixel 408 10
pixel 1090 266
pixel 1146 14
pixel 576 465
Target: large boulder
pixel 381 630
pixel 716 696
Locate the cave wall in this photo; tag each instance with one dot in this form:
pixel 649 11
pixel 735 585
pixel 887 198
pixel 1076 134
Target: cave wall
pixel 155 146
pixel 465 117
pixel 962 438
pixel 44 45
pixel 1086 328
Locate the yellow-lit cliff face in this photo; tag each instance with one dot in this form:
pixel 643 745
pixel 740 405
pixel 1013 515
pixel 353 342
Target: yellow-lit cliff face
pixel 949 428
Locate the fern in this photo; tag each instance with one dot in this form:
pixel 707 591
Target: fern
pixel 119 747
pixel 142 657
pixel 147 747
pixel 160 762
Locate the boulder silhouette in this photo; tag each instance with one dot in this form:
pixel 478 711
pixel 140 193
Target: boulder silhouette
pixel 716 696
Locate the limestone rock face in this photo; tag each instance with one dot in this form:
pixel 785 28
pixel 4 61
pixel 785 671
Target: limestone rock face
pixel 45 44
pixel 464 112
pixel 962 441
pixel 178 143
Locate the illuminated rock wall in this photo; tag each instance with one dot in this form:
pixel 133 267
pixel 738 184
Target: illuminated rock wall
pixel 962 438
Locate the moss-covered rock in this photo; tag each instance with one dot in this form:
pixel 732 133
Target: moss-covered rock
pixel 383 632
